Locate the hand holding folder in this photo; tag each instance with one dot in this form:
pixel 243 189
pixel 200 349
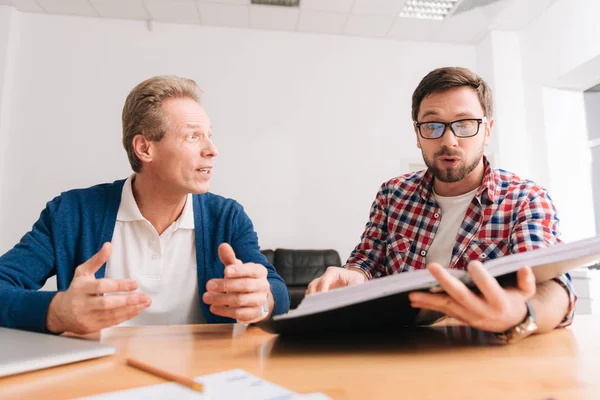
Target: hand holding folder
pixel 383 303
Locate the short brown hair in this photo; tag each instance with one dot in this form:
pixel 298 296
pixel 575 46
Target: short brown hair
pixel 143 113
pixel 443 79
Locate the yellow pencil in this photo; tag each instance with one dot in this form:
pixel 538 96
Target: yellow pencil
pixel 183 380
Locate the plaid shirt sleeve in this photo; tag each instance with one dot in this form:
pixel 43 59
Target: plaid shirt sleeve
pixel 369 255
pixel 537 226
pixel 565 282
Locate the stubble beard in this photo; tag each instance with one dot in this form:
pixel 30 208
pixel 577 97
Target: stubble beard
pixel 451 175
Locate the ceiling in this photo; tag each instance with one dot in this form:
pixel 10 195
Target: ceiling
pixel 364 18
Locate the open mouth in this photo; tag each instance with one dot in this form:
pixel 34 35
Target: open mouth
pixel 449 160
pixel 205 170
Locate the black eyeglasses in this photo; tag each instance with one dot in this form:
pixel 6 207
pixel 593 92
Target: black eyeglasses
pixel 463 128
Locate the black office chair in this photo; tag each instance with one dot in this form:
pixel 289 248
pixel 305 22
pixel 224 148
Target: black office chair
pixel 299 267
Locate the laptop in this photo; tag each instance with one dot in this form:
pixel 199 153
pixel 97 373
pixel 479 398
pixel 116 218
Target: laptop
pixel 22 351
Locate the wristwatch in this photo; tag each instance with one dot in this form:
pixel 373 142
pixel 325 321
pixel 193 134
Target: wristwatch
pixel 265 309
pixel 521 331
pixel 263 313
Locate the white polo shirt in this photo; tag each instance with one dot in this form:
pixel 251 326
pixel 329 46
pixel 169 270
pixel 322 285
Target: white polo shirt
pixel 164 266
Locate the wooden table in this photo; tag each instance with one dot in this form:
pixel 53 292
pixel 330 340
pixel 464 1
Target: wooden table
pixel 445 362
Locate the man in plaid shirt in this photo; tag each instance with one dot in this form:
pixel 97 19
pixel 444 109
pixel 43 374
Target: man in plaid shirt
pixel 458 213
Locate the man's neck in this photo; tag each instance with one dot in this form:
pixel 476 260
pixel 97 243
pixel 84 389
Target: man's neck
pixel 156 204
pixel 470 182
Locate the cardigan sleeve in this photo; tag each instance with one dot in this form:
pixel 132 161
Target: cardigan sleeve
pixel 245 245
pixel 23 270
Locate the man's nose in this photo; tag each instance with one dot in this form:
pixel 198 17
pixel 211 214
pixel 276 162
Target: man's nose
pixel 209 149
pixel 448 138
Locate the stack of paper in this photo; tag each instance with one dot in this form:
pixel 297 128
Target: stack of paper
pixel 226 385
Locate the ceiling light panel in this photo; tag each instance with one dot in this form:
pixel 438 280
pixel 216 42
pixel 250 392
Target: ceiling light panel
pixel 428 9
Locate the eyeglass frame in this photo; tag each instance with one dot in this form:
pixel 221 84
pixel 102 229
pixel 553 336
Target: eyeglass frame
pixel 447 125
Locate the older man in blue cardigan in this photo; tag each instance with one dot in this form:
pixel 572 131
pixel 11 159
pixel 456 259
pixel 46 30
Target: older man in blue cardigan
pixel 156 248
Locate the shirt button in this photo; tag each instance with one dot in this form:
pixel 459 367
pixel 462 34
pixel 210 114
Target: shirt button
pixel 436 215
pixel 483 255
pixel 389 246
pixel 423 252
pixel 154 256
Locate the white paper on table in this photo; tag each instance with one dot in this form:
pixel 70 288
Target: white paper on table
pixel 311 396
pixel 232 384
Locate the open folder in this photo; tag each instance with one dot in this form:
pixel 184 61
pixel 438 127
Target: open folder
pixel 383 302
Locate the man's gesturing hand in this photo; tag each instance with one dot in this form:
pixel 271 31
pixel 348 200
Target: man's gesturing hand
pixel 242 293
pixel 83 307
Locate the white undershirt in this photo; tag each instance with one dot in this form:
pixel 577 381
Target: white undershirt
pixel 164 266
pixel 453 210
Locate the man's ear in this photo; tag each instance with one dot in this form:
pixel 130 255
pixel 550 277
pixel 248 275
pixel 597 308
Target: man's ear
pixel 417 135
pixel 488 131
pixel 143 148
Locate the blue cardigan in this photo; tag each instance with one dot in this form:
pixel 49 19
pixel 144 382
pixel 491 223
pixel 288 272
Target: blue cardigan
pixel 73 227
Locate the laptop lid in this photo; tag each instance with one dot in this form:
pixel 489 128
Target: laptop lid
pixel 23 351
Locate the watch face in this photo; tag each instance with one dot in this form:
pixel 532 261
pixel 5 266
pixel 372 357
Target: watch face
pixel 265 309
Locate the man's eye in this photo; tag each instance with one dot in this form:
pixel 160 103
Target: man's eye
pixel 192 136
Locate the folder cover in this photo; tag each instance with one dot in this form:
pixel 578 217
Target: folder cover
pixel 383 302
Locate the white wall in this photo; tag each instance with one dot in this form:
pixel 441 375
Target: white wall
pixel 591 100
pixel 512 149
pixel 495 63
pixel 570 165
pixel 485 68
pixel 592 113
pixel 561 58
pixel 558 51
pixel 308 126
pixel 9 29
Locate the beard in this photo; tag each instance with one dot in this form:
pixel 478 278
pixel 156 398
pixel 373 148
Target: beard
pixel 451 175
